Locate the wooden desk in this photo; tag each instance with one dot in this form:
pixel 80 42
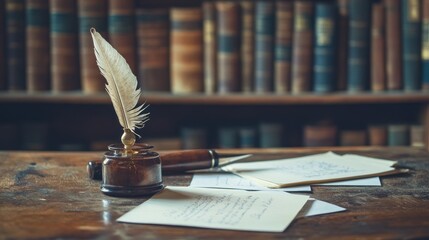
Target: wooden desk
pixel 48 195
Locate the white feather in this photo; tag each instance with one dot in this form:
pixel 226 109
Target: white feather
pixel 121 84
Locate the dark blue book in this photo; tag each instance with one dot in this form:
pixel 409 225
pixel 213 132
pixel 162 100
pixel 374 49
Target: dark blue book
pixel 264 46
pixel 228 137
pixel 411 49
pixel 425 46
pixel 270 135
pixel 248 137
pixel 358 45
pixel 324 47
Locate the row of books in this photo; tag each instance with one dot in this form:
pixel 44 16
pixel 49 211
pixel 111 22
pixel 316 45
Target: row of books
pixel 273 135
pixel 38 136
pixel 221 46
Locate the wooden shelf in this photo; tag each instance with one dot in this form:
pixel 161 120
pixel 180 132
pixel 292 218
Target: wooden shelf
pixel 226 99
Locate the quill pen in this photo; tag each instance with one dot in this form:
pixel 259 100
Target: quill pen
pixel 121 87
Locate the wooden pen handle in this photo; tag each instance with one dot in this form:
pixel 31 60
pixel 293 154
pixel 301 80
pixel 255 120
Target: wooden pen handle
pixel 171 162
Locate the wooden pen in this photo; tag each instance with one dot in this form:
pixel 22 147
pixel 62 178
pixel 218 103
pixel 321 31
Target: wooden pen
pixel 179 162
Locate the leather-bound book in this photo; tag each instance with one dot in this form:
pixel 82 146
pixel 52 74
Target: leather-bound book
pixel 411 44
pixel 37 45
pixel 91 14
pixel 320 135
pixel 359 45
pixel 247 137
pixel 247 50
pixel 398 135
pixel 353 138
pixel 264 46
pixel 324 66
pixel 3 79
pixel 153 49
pixel 377 135
pixel 228 47
pixel 270 135
pixel 228 137
pixel 378 38
pixel 302 52
pixel 186 50
pixel 210 50
pixel 393 45
pixel 15 44
pixel 425 45
pixel 417 136
pixel 342 47
pixel 283 46
pixel 121 29
pixel 64 46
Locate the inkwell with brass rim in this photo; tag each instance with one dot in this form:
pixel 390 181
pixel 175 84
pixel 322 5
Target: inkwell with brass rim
pixel 129 169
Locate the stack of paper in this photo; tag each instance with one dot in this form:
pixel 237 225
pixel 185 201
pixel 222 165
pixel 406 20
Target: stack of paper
pixel 319 168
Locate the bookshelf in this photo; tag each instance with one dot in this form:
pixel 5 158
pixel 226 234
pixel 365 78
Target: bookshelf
pixel 83 119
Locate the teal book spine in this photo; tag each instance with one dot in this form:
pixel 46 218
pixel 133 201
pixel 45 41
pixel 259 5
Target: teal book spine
pixel 425 45
pixel 264 46
pixel 411 39
pixel 228 137
pixel 248 137
pixel 270 135
pixel 358 45
pixel 324 47
pixel 15 44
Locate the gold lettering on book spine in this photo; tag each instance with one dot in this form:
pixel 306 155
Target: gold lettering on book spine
pixel 324 28
pixel 425 43
pixel 414 10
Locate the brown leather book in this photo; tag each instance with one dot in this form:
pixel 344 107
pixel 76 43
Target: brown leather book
pixel 186 53
pixel 320 135
pixel 153 49
pixel 121 28
pixel 228 51
pixel 377 135
pixel 247 45
pixel 91 14
pixel 342 56
pixel 37 45
pixel 393 45
pixel 210 50
pixel 64 46
pixel 378 63
pixel 302 46
pixel 353 138
pixel 283 46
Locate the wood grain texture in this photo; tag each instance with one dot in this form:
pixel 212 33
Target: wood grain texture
pixel 48 195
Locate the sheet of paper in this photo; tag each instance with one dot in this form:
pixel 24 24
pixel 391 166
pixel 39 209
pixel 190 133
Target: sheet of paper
pixel 318 168
pixel 367 182
pixel 265 211
pixel 315 207
pixel 232 181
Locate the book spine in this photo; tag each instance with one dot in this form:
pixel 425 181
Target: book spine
pixel 15 44
pixel 37 45
pixel 377 135
pixel 302 52
pixel 324 67
pixel 121 28
pixel 417 136
pixel 91 14
pixel 283 46
pixel 342 39
pixel 247 137
pixel 228 137
pixel 398 135
pixel 264 42
pixel 247 52
pixel 378 71
pixel 228 61
pixel 425 45
pixel 153 49
pixel 194 138
pixel 411 39
pixel 64 46
pixel 270 135
pixel 186 57
pixel 320 135
pixel 3 80
pixel 393 45
pixel 210 50
pixel 353 138
pixel 358 45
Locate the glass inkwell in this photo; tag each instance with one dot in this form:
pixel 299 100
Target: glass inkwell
pixel 131 172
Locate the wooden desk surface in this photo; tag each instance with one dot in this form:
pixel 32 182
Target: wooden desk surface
pixel 48 195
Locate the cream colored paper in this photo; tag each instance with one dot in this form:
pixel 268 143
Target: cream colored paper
pixel 318 168
pixel 265 211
